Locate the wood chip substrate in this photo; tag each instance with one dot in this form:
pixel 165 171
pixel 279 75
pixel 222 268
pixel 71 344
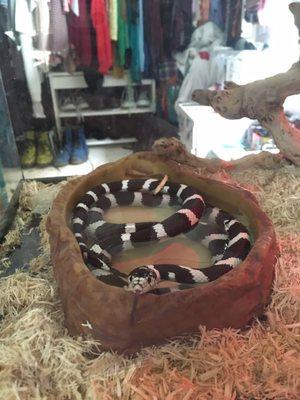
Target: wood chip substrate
pixel 39 360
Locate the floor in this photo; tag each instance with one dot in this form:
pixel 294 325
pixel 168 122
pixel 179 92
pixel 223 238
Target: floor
pixel 97 156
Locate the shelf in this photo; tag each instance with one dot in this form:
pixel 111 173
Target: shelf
pixel 64 80
pixel 110 81
pixel 192 109
pixel 110 111
pixel 108 141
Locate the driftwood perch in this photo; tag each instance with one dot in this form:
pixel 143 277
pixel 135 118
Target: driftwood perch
pixel 262 100
pixel 172 148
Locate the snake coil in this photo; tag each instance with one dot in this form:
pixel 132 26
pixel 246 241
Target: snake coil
pixel 228 245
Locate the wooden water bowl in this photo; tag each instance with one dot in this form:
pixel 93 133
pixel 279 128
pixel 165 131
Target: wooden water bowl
pixel 111 314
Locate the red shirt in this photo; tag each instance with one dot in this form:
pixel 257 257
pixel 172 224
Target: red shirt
pixel 100 23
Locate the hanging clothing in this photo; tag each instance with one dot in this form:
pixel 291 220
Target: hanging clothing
pixel 74 6
pixel 226 20
pixel 59 37
pixel 41 18
pixel 166 18
pixel 113 19
pixel 234 19
pixel 204 40
pixel 147 59
pixel 167 71
pixel 133 33
pixel 217 13
pixel 133 10
pixel 14 80
pixel 23 17
pixel 93 37
pixel 11 5
pixel 153 33
pixel 33 76
pixel 201 72
pixel 100 23
pixel 32 17
pixel 177 24
pixel 66 6
pixel 79 34
pixel 181 24
pixel 4 16
pixel 120 55
pixel 204 11
pixel 251 10
pixel 29 19
pixel 196 12
pixel 141 36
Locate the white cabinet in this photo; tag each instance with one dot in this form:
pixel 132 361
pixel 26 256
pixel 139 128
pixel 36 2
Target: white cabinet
pixel 213 134
pixel 65 81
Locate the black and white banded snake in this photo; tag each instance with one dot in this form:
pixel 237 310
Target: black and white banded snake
pixel 228 246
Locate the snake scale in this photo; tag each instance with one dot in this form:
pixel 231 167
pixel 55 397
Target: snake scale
pixel 229 244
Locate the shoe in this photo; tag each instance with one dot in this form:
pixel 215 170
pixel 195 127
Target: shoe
pixel 80 149
pixel 96 102
pixel 112 102
pixel 81 103
pixel 28 158
pixel 44 153
pixel 128 98
pixel 63 157
pixel 67 104
pixel 143 99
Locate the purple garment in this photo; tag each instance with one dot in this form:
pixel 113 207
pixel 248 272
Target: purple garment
pixel 58 35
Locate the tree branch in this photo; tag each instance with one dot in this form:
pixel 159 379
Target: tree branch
pixel 262 100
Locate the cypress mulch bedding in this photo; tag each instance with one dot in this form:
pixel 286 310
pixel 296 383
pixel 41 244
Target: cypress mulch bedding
pixel 39 360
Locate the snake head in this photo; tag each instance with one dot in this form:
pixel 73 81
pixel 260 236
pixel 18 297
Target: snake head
pixel 143 279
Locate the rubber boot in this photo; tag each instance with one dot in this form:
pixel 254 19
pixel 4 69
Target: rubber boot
pixel 28 158
pixel 80 149
pixel 63 157
pixel 44 152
